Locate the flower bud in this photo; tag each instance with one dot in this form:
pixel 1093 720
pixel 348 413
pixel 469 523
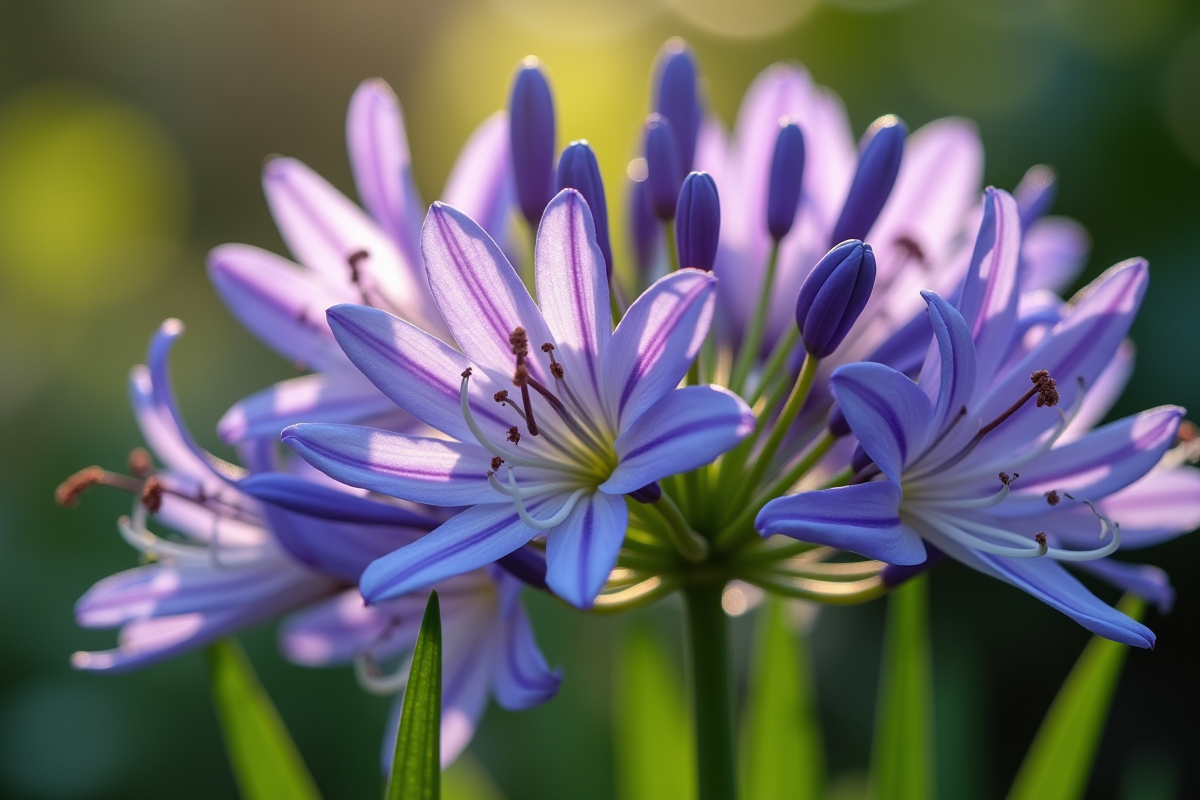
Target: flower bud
pixel 698 221
pixel 836 423
pixel 643 227
pixel 833 295
pixel 664 169
pixel 578 170
pixel 878 165
pixel 531 138
pixel 675 96
pixel 1035 194
pixel 787 173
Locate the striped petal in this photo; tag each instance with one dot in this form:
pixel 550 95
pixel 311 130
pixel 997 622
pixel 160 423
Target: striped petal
pixel 583 550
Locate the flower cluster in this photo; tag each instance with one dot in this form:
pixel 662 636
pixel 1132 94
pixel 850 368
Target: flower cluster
pixel 841 362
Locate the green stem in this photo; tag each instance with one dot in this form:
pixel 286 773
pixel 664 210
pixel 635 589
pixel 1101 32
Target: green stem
pixel 712 691
pixel 690 544
pixel 753 340
pixel 779 356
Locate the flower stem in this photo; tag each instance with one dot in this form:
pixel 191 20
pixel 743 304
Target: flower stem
pixel 712 691
pixel 753 340
pixel 690 544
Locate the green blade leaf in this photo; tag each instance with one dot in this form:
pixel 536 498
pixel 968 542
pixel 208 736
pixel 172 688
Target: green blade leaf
pixel 265 761
pixel 902 762
pixel 783 754
pixel 653 747
pixel 416 769
pixel 1060 759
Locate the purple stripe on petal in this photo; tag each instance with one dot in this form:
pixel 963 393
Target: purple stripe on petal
pixel 889 414
pixel 581 552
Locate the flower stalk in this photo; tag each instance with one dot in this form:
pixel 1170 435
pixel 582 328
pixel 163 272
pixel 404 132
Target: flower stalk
pixel 712 691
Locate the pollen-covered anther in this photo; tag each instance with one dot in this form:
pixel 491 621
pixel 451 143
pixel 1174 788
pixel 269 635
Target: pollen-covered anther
pixel 518 340
pixel 514 435
pixel 353 260
pixel 556 369
pixel 152 494
pixel 547 348
pixel 1043 546
pixel 1005 479
pixel 466 373
pixel 521 375
pixel 500 396
pixel 496 462
pixel 140 463
pixel 73 488
pixel 1052 497
pixel 1047 389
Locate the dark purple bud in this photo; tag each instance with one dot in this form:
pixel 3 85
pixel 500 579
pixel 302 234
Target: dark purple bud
pixel 878 165
pixel 531 138
pixel 649 493
pixel 833 295
pixel 894 574
pixel 1035 194
pixel 675 96
pixel 664 170
pixel 578 170
pixel 644 227
pixel 837 424
pixel 787 172
pixel 698 221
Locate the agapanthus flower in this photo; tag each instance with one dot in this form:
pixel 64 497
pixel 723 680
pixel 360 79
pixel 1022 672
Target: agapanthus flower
pixel 972 459
pixel 236 562
pixel 348 255
pixel 552 416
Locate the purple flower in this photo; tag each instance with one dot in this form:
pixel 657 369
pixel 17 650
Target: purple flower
pixel 977 458
pixel 346 255
pixel 239 562
pixel 552 415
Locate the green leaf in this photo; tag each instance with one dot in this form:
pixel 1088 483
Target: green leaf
pixel 654 756
pixel 416 770
pixel 265 761
pixel 1060 759
pixel 782 751
pixel 902 763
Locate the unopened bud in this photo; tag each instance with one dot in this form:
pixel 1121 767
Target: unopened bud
pixel 833 296
pixel 531 139
pixel 878 165
pixel 787 173
pixel 675 96
pixel 578 170
pixel 663 166
pixel 698 221
pixel 644 228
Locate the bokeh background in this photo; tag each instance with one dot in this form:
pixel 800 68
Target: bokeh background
pixel 131 137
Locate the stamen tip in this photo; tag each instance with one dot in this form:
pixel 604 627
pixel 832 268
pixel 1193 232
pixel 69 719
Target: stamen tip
pixel 1052 497
pixel 152 494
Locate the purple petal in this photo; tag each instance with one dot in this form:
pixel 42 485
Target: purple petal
pixel 521 678
pixel 294 493
pixel 1049 582
pixel 334 631
pixel 479 293
pixel 1144 580
pixel 863 519
pixel 1103 394
pixel 280 303
pixel 888 413
pixel 480 185
pixel 473 539
pixel 656 342
pixel 686 429
pixel 419 373
pixel 337 549
pixel 572 287
pixel 342 396
pixel 162 434
pixel 1053 254
pixel 581 552
pixel 424 470
pixel 382 166
pixel 323 229
pixel 955 367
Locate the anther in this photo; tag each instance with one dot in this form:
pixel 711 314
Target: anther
pixel 1188 432
pixel 1040 538
pixel 140 463
pixel 73 488
pixel 514 435
pixel 1052 497
pixel 466 373
pixel 496 462
pixel 1047 390
pixel 556 368
pixel 519 341
pixel 152 494
pixel 500 396
pixel 353 260
pixel 1005 479
pixel 548 348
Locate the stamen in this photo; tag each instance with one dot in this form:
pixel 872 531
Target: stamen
pixel 955 529
pixel 496 462
pixel 514 435
pixel 542 488
pixel 353 259
pixel 140 463
pixel 1052 497
pixel 481 437
pixel 518 340
pixel 70 491
pixel 372 679
pixel 556 369
pixel 1047 389
pixel 152 494
pixel 550 522
pixel 966 503
pixel 501 396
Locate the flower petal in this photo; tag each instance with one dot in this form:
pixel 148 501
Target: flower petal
pixel 521 678
pixel 335 630
pixel 382 166
pixel 656 342
pixel 475 538
pixel 341 396
pixel 863 519
pixel 293 493
pixel 888 413
pixel 480 185
pixel 954 364
pixel 583 550
pixel 1144 580
pixel 1053 254
pixel 417 468
pixel 572 287
pixel 323 229
pixel 337 549
pixel 478 292
pixel 686 429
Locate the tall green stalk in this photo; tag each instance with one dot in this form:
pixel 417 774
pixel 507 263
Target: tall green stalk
pixel 712 691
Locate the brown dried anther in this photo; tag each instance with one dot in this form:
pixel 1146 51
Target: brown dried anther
pixel 514 435
pixel 1052 497
pixel 73 488
pixel 140 463
pixel 152 494
pixel 1047 389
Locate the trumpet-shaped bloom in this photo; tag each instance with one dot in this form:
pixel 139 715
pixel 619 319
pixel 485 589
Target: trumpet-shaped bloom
pixel 971 458
pixel 552 415
pixel 346 254
pixel 237 562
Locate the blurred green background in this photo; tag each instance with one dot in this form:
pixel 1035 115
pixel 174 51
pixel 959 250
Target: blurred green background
pixel 131 137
